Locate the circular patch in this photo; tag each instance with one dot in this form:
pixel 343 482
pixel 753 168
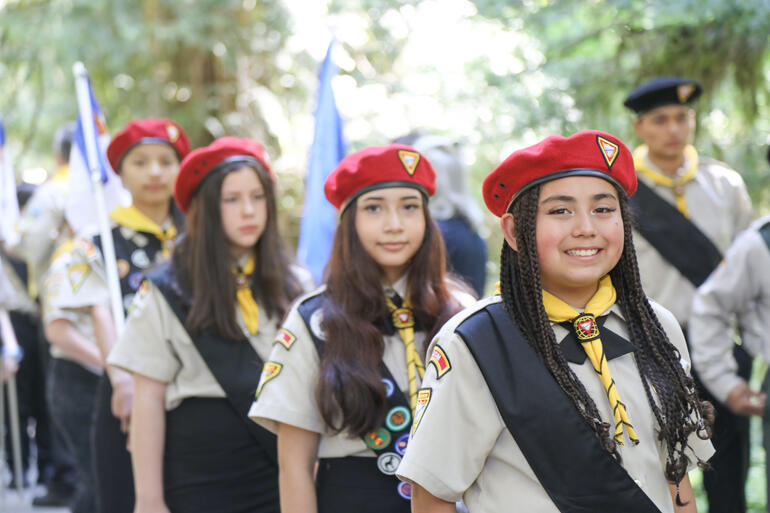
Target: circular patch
pixel 398 418
pixel 140 258
pixel 315 324
pixel 135 280
pixel 388 462
pixel 389 387
pixel 401 444
pixel 402 318
pixel 378 439
pixel 123 268
pixel 405 490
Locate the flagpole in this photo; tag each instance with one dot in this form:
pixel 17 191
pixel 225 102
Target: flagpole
pixel 108 249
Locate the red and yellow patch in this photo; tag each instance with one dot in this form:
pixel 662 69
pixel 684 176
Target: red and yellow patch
pixel 402 318
pixel 269 371
pixel 440 361
pixel 423 398
pixel 77 274
pixel 123 268
pixel 609 149
pixel 285 337
pixel 409 159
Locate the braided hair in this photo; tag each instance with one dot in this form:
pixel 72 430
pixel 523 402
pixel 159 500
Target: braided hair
pixel 676 406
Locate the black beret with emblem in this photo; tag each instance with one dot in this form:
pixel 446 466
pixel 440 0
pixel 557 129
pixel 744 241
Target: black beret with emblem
pixel 663 91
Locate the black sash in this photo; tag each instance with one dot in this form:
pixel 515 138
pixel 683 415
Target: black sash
pixel 235 364
pixel 764 231
pixel 389 441
pixel 565 455
pixel 678 240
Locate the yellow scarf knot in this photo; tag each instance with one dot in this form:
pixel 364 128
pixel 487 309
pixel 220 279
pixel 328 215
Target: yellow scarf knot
pixel 246 302
pixel 131 217
pixel 403 320
pixel 677 183
pixel 587 332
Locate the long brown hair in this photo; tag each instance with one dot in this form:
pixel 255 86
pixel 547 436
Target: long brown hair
pixel 678 410
pixel 350 391
pixel 203 265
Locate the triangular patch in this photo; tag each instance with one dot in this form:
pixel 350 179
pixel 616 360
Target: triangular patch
pixel 684 91
pixel 587 326
pixel 77 275
pixel 609 149
pixel 409 159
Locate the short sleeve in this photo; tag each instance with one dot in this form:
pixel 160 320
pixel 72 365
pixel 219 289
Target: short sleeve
pixel 454 407
pixel 144 347
pixel 86 277
pixel 286 391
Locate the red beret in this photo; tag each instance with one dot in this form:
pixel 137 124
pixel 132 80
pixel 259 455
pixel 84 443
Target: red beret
pixel 202 161
pixel 377 167
pixel 588 153
pixel 141 131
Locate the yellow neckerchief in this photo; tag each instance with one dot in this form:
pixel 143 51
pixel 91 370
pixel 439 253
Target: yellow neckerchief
pixel 131 217
pixel 246 302
pixel 62 174
pixel 677 184
pixel 403 321
pixel 587 332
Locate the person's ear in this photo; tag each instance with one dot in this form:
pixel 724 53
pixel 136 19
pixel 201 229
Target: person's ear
pixel 508 225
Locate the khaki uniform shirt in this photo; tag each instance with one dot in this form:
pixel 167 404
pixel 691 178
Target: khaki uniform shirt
pixel 491 473
pixel 738 289
pixel 719 206
pixel 13 293
pixel 42 225
pixel 289 397
pixel 61 285
pixel 156 344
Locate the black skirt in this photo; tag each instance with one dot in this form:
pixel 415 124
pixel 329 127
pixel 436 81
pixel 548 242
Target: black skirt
pixel 212 462
pixel 355 485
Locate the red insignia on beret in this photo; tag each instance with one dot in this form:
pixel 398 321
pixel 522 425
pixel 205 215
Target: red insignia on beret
pixel 150 130
pixel 395 165
pixel 558 157
pixel 202 161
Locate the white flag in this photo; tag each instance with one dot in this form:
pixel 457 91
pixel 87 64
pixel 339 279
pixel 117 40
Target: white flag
pixel 9 205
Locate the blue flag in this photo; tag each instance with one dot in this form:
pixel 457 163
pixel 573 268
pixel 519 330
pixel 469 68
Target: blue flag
pixel 9 206
pixel 319 217
pixel 80 209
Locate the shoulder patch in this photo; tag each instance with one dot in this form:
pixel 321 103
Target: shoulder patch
pixel 77 274
pixel 440 361
pixel 423 399
pixel 409 159
pixel 269 371
pixel 88 248
pixel 285 337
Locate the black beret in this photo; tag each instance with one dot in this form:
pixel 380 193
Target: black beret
pixel 663 91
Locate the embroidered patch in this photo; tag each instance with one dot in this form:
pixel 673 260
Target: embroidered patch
pixel 77 274
pixel 409 159
pixel 389 387
pixel 172 132
pixel 388 462
pixel 377 439
pixel 398 418
pixel 585 328
pixel 269 371
pixel 89 250
pixel 284 337
pixel 123 268
pixel 140 259
pixel 423 398
pixel 440 361
pixel 684 91
pixel 405 490
pixel 402 318
pixel 609 150
pixel 401 444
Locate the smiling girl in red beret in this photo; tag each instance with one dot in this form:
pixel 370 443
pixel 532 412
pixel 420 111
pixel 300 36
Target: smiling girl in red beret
pixel 196 335
pixel 570 391
pixel 341 384
pixel 146 154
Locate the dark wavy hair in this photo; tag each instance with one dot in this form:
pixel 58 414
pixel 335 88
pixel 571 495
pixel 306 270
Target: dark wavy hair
pixel 350 392
pixel 678 410
pixel 203 266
